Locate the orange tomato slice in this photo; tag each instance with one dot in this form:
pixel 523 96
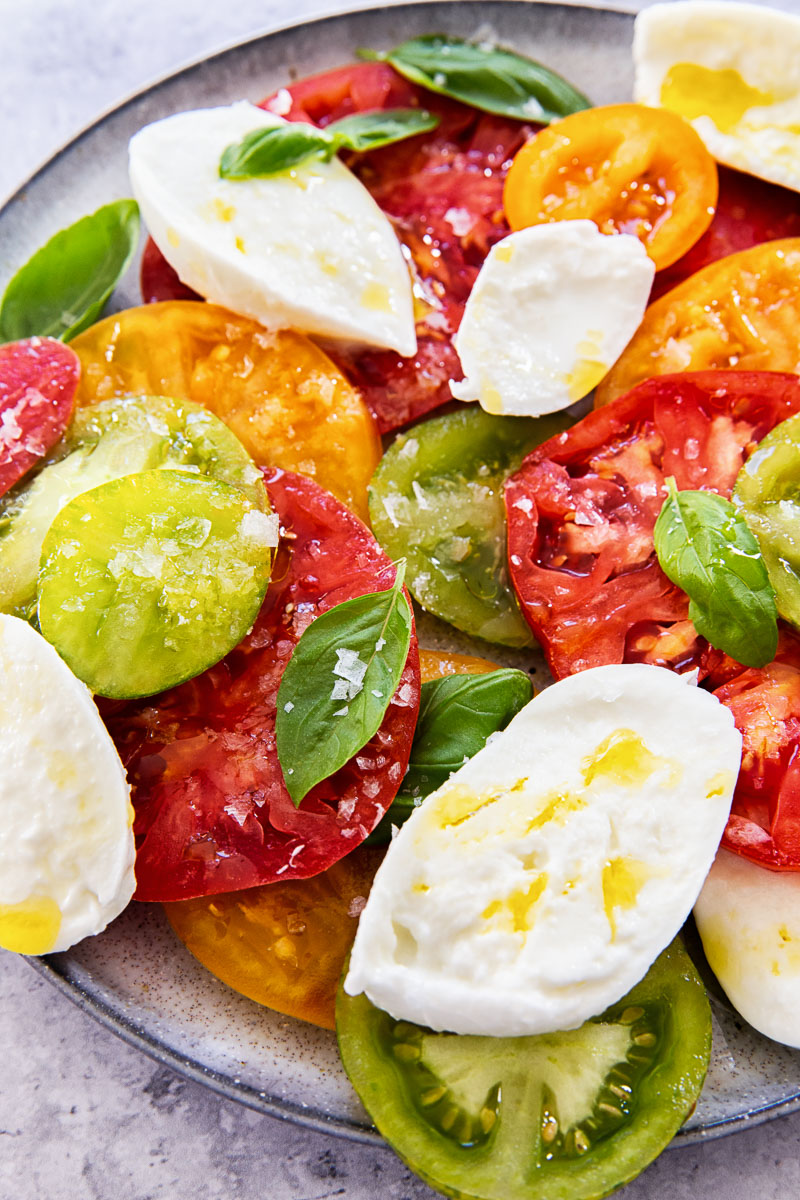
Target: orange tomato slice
pixel 742 311
pixel 285 944
pixel 285 400
pixel 628 168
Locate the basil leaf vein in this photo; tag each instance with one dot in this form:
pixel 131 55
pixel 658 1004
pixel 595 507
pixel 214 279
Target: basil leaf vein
pixel 486 76
pixel 704 546
pixel 278 148
pixel 457 714
pixel 338 683
pixel 63 287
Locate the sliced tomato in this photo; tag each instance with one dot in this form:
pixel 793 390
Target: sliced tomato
pixel 212 810
pixel 749 211
pixel 38 381
pixel 764 824
pixel 629 168
pixel 443 192
pixel 157 279
pixel 582 507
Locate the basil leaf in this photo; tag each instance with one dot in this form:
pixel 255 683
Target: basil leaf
pixel 456 716
pixel 63 288
pixel 338 683
pixel 487 77
pixel 705 546
pixel 278 148
pixel 368 131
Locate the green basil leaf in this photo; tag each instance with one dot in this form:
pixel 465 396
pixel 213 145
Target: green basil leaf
pixel 704 545
pixel 278 148
pixel 338 683
pixel 487 77
pixel 62 289
pixel 456 716
pixel 368 131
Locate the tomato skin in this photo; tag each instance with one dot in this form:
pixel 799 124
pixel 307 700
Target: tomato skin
pixel 212 811
pixel 39 377
pixel 740 312
pixel 629 168
pixel 582 507
pixel 331 95
pixel 749 211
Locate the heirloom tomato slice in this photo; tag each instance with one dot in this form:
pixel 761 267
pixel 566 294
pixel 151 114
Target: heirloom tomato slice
pixel 749 211
pixel 285 400
pixel 443 192
pixel 629 168
pixel 741 312
pixel 582 507
pixel 38 381
pixel 212 810
pixel 561 1116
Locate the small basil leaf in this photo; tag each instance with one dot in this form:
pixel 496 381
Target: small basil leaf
pixel 456 716
pixel 368 131
pixel 278 148
pixel 487 77
pixel 705 546
pixel 338 683
pixel 62 289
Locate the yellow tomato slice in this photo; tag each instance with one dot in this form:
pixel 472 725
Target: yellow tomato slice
pixel 285 400
pixel 742 311
pixel 284 945
pixel 628 168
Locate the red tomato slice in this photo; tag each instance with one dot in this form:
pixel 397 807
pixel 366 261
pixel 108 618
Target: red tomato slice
pixel 582 507
pixel 38 381
pixel 157 279
pixel 212 811
pixel 764 824
pixel 749 211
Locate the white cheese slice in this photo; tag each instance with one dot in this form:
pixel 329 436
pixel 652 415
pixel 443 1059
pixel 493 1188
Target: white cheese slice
pixel 552 309
pixel 733 71
pixel 66 850
pixel 749 922
pixel 536 887
pixel 308 249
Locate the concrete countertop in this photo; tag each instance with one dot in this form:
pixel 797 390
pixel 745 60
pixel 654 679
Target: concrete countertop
pixel 82 1115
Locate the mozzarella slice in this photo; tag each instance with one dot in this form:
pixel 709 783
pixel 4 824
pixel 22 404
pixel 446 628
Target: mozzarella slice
pixel 540 882
pixel 552 309
pixel 733 71
pixel 749 922
pixel 308 249
pixel 67 851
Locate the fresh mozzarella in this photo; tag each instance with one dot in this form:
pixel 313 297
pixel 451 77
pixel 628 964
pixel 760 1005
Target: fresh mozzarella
pixel 749 922
pixel 66 856
pixel 308 249
pixel 552 309
pixel 733 71
pixel 539 883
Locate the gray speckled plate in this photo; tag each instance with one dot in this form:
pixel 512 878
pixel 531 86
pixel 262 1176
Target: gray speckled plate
pixel 136 977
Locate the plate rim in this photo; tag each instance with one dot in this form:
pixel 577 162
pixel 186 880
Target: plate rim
pixel 48 966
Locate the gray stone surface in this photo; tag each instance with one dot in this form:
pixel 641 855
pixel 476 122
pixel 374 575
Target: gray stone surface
pixel 82 1115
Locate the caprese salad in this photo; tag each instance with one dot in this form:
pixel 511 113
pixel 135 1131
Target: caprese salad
pixel 221 513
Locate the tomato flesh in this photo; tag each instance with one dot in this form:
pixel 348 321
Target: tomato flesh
pixel 212 811
pixel 38 381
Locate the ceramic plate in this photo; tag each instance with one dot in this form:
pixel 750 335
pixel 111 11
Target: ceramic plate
pixel 136 977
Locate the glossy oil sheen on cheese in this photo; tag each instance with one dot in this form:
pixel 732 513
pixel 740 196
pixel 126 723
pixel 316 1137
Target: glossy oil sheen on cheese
pixel 536 887
pixel 733 71
pixel 308 249
pixel 66 855
pixel 552 309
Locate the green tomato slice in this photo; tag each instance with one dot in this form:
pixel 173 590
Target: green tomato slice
pixel 562 1116
pixel 768 492
pixel 436 500
pixel 106 441
pixel 148 580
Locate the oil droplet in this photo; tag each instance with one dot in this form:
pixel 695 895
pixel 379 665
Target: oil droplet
pixel 491 400
pixel 239 244
pixel 693 91
pixel 504 252
pixel 172 237
pixel 31 926
pixel 623 879
pixel 719 784
pixel 518 905
pixel 375 297
pixel 556 806
pixel 223 211
pixel 624 759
